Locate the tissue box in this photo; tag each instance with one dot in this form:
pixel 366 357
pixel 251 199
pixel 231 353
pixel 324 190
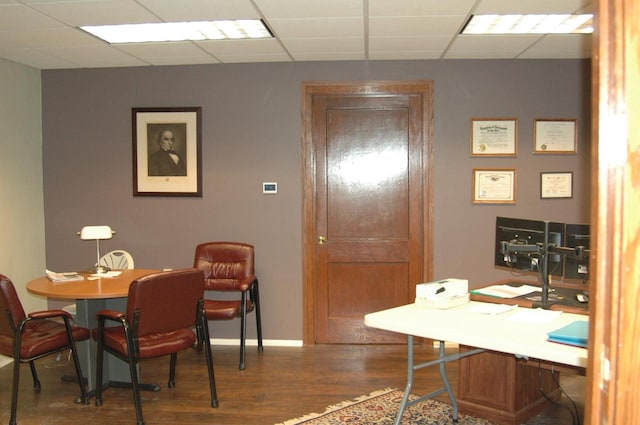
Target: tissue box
pixel 444 293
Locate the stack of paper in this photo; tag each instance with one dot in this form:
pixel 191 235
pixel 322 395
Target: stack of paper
pixel 506 291
pixel 63 277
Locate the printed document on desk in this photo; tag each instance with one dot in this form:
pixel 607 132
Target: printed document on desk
pixel 63 277
pixel 506 291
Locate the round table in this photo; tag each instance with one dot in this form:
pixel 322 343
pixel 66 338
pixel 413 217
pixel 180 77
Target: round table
pixel 89 288
pixel 93 294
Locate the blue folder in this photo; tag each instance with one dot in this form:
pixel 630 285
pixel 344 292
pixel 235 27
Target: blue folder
pixel 575 333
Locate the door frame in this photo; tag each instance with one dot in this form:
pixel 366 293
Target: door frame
pixel 309 232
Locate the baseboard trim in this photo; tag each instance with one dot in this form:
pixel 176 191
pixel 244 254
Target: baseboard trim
pixel 254 342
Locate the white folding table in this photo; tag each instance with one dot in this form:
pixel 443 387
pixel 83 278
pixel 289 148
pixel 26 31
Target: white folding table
pixel 520 331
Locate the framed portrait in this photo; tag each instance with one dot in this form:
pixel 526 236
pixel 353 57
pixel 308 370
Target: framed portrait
pixel 555 136
pixel 494 136
pixel 556 185
pixel 167 147
pixel 494 186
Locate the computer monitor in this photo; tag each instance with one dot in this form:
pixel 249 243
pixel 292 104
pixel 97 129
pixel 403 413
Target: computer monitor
pixel 530 235
pixel 576 266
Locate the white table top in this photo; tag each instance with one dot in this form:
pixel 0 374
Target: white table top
pixel 500 332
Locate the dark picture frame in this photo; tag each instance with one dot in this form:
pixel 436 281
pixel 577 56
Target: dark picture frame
pixel 556 184
pixel 167 151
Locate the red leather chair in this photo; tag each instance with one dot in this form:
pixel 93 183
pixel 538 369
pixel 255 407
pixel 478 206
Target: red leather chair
pixel 162 311
pixel 27 338
pixel 229 267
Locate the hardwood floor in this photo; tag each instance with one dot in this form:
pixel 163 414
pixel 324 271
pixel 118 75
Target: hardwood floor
pixel 278 384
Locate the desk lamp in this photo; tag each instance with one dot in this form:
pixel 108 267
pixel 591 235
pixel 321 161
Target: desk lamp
pixel 97 233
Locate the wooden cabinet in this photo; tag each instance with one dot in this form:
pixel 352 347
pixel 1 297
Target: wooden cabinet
pixel 502 388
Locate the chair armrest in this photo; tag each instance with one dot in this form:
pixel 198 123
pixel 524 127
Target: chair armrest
pixel 49 314
pixel 246 284
pixel 118 316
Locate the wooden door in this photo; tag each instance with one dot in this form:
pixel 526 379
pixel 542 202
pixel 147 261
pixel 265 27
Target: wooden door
pixel 366 230
pixel 613 371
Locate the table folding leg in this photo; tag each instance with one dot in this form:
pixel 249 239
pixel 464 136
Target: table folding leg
pixel 441 361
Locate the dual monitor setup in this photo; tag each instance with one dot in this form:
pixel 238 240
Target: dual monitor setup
pixel 549 248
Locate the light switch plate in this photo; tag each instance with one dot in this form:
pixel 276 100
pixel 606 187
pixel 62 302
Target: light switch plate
pixel 270 188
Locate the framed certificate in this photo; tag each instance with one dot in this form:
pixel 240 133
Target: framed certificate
pixel 494 186
pixel 556 185
pixel 555 136
pixel 494 136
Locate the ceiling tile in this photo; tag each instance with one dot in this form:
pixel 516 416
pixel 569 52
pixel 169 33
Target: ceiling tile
pixel 488 46
pixel 320 27
pixel 95 12
pixel 414 26
pixel 538 6
pixel 43 33
pixel 201 10
pixel 277 9
pixel 18 17
pixel 245 50
pixel 560 46
pixel 419 7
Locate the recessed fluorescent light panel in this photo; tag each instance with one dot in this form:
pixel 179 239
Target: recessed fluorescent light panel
pixel 180 31
pixel 529 24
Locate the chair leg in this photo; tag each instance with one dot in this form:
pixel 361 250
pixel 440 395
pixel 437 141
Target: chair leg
pixel 209 358
pixel 135 387
pixel 172 370
pixel 34 374
pixel 14 392
pixel 84 397
pixel 99 364
pixel 243 330
pixel 256 302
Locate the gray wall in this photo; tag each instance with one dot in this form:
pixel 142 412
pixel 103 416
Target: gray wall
pixel 22 251
pixel 252 133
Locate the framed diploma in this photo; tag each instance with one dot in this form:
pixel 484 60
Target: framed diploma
pixel 494 136
pixel 556 185
pixel 555 136
pixel 494 186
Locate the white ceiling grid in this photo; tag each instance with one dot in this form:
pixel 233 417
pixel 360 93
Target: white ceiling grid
pixel 44 33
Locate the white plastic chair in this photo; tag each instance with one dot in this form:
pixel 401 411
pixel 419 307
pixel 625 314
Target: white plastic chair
pixel 117 260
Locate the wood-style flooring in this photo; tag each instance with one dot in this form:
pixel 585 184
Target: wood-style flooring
pixel 278 384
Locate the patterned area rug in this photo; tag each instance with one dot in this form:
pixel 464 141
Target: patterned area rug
pixel 381 408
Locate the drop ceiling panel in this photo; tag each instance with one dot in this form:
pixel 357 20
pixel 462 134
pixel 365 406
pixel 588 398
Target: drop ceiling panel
pixel 17 17
pixel 488 47
pixel 267 50
pixel 419 7
pixel 415 26
pixel 294 9
pixel 95 12
pixel 48 38
pixel 97 57
pixel 570 46
pixel 538 6
pixel 168 53
pixel 42 33
pixel 201 10
pixel 315 28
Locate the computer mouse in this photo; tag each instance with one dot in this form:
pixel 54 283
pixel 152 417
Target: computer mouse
pixel 582 298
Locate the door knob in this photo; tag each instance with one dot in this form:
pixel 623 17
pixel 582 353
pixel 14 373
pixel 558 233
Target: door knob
pixel 322 240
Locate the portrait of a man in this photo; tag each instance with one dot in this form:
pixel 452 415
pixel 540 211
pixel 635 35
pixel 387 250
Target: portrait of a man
pixel 166 148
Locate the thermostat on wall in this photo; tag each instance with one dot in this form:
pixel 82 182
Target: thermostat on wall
pixel 270 187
